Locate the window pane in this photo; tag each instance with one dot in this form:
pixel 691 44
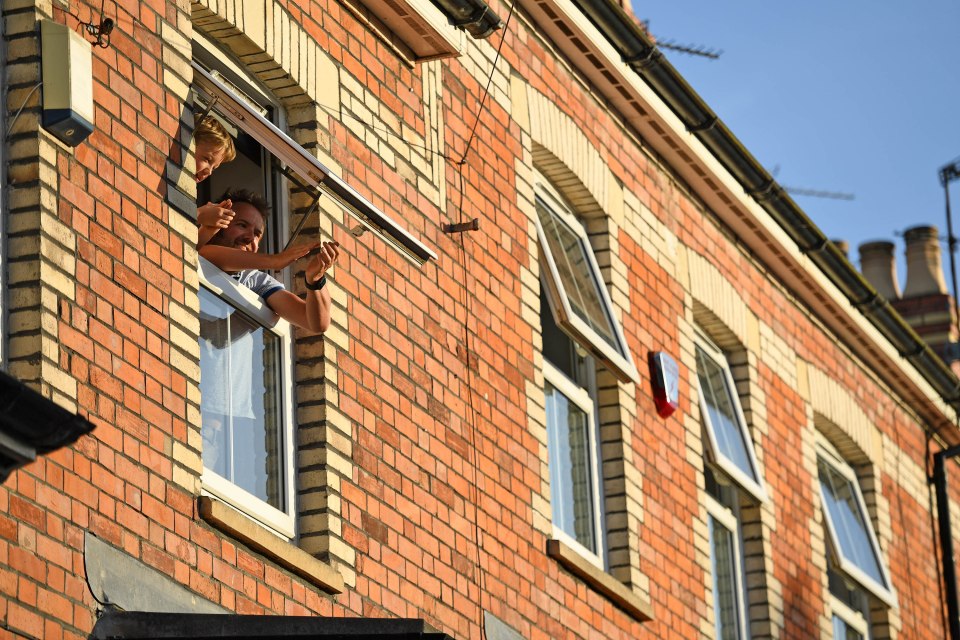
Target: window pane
pixel 240 400
pixel 843 631
pixel 723 417
pixel 726 596
pixel 849 523
pixel 571 481
pixel 577 276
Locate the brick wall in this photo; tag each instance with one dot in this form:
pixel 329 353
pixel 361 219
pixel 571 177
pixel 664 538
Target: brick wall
pixel 422 442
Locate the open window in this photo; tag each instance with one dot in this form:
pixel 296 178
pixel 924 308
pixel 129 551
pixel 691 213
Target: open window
pixel 246 352
pixel 858 567
pixel 309 171
pixel 729 443
pixel 576 292
pixel 580 334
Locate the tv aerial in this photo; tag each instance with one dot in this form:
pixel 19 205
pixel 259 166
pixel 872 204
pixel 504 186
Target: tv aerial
pixel 813 193
pixel 689 49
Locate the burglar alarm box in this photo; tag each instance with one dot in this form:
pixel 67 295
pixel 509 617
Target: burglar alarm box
pixel 67 67
pixel 665 377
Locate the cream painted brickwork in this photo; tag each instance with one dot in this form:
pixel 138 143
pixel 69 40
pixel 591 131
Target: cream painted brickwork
pixel 694 455
pixel 709 288
pixel 818 541
pixel 40 248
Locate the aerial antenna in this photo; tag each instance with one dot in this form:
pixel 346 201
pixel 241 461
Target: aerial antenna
pixel 673 45
pixel 813 193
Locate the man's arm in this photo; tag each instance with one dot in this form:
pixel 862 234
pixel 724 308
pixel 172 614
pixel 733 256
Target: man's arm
pixel 230 259
pixel 312 313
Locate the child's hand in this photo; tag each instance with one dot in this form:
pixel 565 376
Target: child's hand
pixel 213 215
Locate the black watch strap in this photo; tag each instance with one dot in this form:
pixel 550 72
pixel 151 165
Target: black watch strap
pixel 316 286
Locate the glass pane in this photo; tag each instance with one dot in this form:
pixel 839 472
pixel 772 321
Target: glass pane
pixel 571 481
pixel 726 596
pixel 240 400
pixel 846 592
pixel 843 631
pixel 849 522
pixel 577 277
pixel 718 400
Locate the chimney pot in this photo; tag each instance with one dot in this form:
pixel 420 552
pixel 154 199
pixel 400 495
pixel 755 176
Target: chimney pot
pixel 879 268
pixel 924 268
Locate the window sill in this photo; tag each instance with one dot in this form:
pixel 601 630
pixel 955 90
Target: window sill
pixel 291 557
pixel 602 582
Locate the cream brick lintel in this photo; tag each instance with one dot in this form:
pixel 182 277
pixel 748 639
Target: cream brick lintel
pixel 837 405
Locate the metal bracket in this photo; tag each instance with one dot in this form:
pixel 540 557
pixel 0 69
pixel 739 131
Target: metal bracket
pixel 473 225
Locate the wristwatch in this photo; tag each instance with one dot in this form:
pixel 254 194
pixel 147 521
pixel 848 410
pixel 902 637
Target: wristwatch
pixel 316 286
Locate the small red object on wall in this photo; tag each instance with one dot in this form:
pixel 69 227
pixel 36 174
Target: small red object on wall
pixel 665 376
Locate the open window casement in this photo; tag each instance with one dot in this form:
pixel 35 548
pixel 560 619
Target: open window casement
pixel 730 445
pixel 575 291
pixel 853 542
pixel 310 171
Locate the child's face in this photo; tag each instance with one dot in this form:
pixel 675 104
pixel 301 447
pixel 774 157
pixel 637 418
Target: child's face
pixel 209 157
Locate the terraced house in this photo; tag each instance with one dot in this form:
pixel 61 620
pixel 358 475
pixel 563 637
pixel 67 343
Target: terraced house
pixel 590 372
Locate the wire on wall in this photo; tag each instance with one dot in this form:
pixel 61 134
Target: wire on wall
pixel 468 313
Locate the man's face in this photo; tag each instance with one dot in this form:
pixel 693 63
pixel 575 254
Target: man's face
pixel 245 230
pixel 209 158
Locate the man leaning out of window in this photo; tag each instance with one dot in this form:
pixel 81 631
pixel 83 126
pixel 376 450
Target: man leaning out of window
pixel 234 250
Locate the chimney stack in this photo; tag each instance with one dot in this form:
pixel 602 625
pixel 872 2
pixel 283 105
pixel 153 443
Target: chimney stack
pixel 926 305
pixel 924 270
pixel 879 268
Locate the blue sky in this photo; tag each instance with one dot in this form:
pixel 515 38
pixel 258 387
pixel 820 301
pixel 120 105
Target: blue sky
pixel 843 95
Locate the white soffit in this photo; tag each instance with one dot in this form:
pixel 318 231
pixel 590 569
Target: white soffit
pixel 420 25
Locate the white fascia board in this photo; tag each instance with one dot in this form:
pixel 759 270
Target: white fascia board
pixel 725 196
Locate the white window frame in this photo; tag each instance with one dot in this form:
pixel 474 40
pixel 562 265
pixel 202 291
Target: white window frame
pixel 885 594
pixel 853 619
pixel 581 398
pixel 619 362
pixel 755 488
pixel 251 305
pixel 729 521
pixel 220 284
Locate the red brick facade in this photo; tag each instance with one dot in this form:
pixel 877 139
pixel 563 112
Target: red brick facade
pixel 438 376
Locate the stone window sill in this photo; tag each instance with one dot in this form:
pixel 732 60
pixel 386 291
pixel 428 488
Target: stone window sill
pixel 287 555
pixel 600 581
